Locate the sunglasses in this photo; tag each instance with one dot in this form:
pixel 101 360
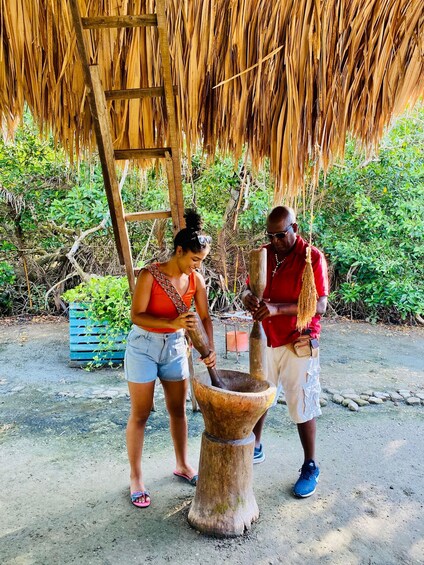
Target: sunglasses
pixel 279 234
pixel 203 240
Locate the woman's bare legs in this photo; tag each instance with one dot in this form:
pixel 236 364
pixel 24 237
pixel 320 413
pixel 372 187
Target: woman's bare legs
pixel 175 398
pixel 141 395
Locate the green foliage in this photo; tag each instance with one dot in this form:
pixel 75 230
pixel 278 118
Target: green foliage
pixel 213 186
pixel 84 205
pixel 7 280
pixel 107 300
pixel 32 173
pixel 371 226
pixel 369 220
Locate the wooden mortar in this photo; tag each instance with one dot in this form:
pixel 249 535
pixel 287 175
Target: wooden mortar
pixel 224 503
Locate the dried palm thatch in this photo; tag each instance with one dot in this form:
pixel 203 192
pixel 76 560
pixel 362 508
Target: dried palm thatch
pixel 321 68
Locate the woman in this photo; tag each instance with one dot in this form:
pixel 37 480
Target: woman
pixel 157 348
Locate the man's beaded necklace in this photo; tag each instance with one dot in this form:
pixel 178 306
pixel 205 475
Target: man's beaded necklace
pixel 277 264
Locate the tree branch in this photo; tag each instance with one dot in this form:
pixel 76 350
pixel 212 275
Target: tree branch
pixel 70 255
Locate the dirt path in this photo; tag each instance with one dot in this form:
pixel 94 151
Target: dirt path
pixel 64 470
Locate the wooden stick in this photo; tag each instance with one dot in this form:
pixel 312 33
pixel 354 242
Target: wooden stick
pixel 257 348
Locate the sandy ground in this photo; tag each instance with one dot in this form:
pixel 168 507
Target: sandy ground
pixel 64 473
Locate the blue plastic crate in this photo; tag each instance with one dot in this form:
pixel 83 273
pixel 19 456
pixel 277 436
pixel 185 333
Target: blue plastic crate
pixel 86 338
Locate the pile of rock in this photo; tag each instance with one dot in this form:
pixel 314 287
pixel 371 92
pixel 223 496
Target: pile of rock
pixel 353 400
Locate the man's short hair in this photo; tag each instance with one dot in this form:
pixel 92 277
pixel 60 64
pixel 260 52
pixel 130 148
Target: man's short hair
pixel 281 213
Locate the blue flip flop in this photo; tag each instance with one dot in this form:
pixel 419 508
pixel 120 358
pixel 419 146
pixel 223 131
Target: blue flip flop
pixel 138 494
pixel 191 480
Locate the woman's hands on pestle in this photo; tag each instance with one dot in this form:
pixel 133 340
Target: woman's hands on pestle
pixel 210 360
pixel 186 321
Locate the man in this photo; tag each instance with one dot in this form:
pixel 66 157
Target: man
pixel 291 368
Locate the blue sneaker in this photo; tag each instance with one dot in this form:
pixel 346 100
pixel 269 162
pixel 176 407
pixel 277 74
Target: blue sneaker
pixel 258 455
pixel 306 484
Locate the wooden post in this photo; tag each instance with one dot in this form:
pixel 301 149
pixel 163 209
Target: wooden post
pixel 257 283
pixel 224 503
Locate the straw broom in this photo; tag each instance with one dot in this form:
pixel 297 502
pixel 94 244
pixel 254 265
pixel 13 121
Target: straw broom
pixel 307 301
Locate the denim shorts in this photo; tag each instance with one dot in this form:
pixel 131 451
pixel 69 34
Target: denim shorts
pixel 150 355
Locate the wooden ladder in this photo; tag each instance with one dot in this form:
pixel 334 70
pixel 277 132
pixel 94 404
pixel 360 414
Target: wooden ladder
pixel 98 98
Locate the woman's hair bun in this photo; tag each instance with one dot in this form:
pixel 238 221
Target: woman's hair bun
pixel 193 220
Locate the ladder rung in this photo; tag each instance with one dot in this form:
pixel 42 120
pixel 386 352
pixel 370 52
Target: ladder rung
pixel 148 153
pixel 97 22
pixel 131 93
pixel 141 216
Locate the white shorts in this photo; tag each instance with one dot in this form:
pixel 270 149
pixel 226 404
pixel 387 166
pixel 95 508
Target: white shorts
pixel 298 377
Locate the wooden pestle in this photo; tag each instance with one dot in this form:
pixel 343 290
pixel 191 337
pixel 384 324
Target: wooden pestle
pixel 201 344
pixel 257 341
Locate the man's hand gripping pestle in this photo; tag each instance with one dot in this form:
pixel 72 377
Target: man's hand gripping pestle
pixel 201 343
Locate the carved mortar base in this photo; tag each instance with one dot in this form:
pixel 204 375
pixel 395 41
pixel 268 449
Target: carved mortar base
pixel 224 503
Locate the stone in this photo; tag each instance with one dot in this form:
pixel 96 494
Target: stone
pixel 353 406
pixel 420 395
pixel 338 399
pixel 413 401
pixel 323 402
pixel 374 400
pixel 362 402
pixel 382 395
pixel 367 392
pixel 404 393
pixel 365 396
pixel 346 401
pixel 353 397
pixel 395 396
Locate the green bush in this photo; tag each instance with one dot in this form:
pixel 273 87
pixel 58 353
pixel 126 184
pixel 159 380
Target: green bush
pixel 370 223
pixel 107 300
pixel 7 280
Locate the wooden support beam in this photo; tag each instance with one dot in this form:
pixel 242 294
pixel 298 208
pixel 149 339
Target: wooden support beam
pixel 106 154
pixel 147 153
pixel 131 93
pixel 99 22
pixel 141 216
pixel 169 165
pixel 177 203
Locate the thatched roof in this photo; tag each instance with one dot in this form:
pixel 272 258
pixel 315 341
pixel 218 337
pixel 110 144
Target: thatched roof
pixel 336 66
